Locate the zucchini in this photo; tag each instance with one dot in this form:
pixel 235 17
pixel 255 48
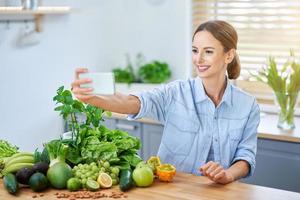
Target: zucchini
pixel 126 181
pixel 10 183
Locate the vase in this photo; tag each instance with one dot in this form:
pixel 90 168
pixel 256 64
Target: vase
pixel 286 103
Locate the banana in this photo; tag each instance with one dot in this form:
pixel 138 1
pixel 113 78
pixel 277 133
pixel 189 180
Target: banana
pixel 20 154
pixel 20 159
pixel 15 167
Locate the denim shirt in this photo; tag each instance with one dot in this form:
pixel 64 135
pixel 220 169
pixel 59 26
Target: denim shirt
pixel 193 124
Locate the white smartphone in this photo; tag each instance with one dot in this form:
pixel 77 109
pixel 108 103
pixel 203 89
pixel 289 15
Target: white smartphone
pixel 103 83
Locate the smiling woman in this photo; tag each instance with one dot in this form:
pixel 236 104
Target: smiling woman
pixel 199 114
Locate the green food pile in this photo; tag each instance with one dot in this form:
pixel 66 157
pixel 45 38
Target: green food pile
pixel 6 149
pixel 92 141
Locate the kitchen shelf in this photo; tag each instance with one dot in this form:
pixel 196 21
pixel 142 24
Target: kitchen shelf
pixel 19 14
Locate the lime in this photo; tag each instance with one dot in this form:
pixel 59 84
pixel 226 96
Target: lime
pixel 92 185
pixel 74 184
pixel 104 180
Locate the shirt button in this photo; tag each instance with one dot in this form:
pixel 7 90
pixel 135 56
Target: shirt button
pixel 216 140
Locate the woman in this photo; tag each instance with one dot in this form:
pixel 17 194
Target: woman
pixel 209 123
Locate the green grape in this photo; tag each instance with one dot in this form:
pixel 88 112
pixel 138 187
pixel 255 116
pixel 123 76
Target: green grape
pixel 94 177
pixel 114 181
pixel 95 169
pixel 89 173
pixel 83 181
pixel 106 164
pixel 102 169
pixel 115 170
pixel 113 176
pixel 77 173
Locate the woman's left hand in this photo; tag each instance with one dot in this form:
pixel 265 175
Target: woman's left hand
pixel 215 172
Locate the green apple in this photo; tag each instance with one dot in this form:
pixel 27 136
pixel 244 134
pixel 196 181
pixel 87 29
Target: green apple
pixel 143 176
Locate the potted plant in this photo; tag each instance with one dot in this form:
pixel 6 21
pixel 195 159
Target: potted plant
pixel 285 83
pixel 147 72
pixel 154 72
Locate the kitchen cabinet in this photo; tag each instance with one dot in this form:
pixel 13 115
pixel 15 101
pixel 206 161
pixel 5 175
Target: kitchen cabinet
pixel 149 134
pixel 277 165
pixel 132 127
pixel 152 135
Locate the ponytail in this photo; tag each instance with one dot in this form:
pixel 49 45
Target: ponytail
pixel 234 68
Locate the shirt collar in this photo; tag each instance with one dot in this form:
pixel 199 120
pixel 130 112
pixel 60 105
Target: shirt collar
pixel 200 94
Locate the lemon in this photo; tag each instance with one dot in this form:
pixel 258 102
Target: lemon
pixel 104 180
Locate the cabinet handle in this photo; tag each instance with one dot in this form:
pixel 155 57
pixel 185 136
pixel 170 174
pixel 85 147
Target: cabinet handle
pixel 126 127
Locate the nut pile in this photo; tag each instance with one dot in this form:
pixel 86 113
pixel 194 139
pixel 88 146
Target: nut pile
pixel 89 195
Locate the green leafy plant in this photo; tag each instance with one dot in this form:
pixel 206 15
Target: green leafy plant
pixel 151 72
pixel 285 84
pixel 90 140
pixel 154 72
pixel 69 109
pixel 127 75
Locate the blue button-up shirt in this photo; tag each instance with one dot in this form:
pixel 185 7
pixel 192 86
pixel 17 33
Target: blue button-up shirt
pixel 193 124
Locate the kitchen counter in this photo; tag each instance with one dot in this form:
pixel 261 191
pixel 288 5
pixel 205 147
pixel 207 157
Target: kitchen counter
pixel 266 130
pixel 184 186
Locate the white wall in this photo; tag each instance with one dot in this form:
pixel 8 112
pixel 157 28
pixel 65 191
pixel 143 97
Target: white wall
pixel 97 34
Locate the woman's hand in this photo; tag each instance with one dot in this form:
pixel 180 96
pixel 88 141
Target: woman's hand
pixel 81 93
pixel 215 172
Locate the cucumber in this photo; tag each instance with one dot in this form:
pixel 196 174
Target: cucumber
pixel 126 181
pixel 10 183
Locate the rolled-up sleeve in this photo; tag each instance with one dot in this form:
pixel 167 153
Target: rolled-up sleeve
pixel 155 103
pixel 247 147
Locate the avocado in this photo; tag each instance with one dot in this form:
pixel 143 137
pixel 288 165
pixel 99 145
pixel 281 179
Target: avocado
pixel 41 167
pixel 23 175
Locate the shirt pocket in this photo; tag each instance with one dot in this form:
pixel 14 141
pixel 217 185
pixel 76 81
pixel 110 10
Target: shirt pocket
pixel 235 134
pixel 179 135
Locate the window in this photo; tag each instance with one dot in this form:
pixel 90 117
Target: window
pixel 265 27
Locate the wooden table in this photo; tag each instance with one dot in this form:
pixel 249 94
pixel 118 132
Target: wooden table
pixel 184 186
